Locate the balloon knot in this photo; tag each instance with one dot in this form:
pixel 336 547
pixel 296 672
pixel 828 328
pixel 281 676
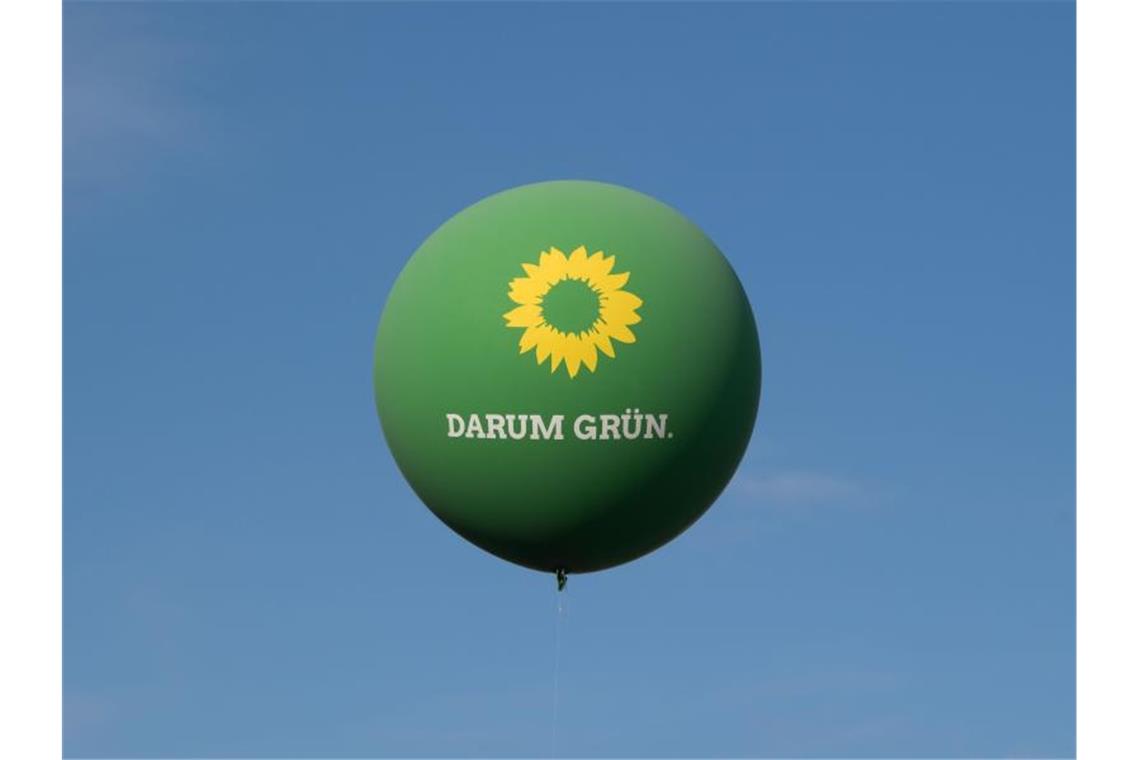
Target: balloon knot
pixel 560 574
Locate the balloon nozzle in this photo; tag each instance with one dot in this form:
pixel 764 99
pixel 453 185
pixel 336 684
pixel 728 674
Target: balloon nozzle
pixel 560 575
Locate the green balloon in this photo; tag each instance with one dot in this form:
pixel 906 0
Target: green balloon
pixel 567 374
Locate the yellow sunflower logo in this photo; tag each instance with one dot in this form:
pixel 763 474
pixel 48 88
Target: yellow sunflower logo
pixel 571 307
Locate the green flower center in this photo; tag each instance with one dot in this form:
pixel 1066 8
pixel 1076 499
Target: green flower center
pixel 571 306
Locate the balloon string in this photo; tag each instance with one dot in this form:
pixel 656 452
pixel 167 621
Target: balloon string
pixel 557 656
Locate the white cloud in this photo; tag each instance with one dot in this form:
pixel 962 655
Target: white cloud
pixel 126 97
pixel 799 488
pixel 753 499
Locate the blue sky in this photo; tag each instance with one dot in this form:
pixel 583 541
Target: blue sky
pixel 891 573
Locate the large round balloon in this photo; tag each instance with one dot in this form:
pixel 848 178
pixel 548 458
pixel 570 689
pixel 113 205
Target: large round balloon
pixel 567 374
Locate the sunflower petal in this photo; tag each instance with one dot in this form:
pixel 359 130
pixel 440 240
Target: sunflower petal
pixel 614 316
pixel 553 265
pixel 600 266
pixel 622 300
pixel 530 338
pixel 576 264
pixel 612 282
pixel 573 350
pixel 603 342
pixel 589 353
pixel 524 316
pixel 525 290
pixel 542 348
pixel 622 333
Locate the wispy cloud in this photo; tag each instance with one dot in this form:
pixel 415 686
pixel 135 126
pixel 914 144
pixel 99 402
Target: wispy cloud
pixel 756 500
pixel 799 488
pixel 126 97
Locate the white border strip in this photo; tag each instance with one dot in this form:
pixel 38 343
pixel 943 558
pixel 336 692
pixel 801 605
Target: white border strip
pixel 30 379
pixel 1108 384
